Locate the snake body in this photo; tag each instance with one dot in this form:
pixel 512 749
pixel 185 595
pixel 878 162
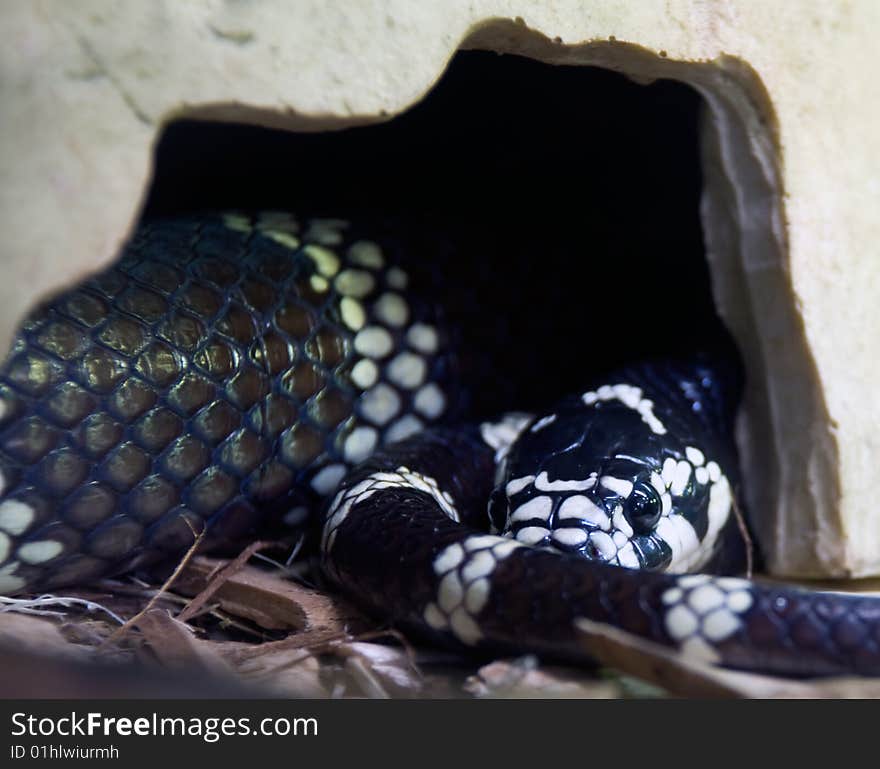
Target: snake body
pixel 231 370
pixel 224 374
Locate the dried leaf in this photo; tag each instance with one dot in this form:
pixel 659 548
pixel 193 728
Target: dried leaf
pixel 287 670
pixel 366 679
pixel 392 667
pixel 522 677
pixel 270 601
pixel 222 574
pixel 175 645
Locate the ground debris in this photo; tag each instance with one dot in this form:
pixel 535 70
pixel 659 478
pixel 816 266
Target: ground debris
pixel 524 677
pixel 231 628
pixel 267 600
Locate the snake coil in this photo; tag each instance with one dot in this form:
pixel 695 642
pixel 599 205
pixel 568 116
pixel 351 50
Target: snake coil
pixel 233 369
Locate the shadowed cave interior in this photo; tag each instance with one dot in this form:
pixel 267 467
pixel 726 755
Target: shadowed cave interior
pixel 552 211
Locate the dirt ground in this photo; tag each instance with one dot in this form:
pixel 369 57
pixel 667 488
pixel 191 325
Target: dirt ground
pixel 251 627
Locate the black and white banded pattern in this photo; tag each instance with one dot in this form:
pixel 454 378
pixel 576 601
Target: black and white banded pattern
pixel 562 492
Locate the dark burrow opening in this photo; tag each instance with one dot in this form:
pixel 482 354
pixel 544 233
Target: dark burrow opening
pixel 553 211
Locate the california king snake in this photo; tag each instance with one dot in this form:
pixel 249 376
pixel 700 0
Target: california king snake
pixel 233 371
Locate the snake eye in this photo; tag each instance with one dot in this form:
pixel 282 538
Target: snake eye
pixel 642 508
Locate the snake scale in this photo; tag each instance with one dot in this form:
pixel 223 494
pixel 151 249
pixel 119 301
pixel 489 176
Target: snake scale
pixel 233 372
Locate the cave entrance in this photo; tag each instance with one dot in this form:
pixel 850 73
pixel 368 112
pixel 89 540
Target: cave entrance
pixel 553 209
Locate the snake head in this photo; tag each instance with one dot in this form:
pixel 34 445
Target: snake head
pixel 603 477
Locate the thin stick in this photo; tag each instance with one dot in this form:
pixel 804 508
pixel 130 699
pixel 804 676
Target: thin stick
pixel 218 577
pixel 120 631
pixel 747 538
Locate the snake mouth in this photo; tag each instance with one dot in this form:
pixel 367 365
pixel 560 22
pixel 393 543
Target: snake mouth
pixel 580 522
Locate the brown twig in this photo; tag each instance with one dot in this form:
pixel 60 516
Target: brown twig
pixel 221 575
pixel 123 629
pixel 744 533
